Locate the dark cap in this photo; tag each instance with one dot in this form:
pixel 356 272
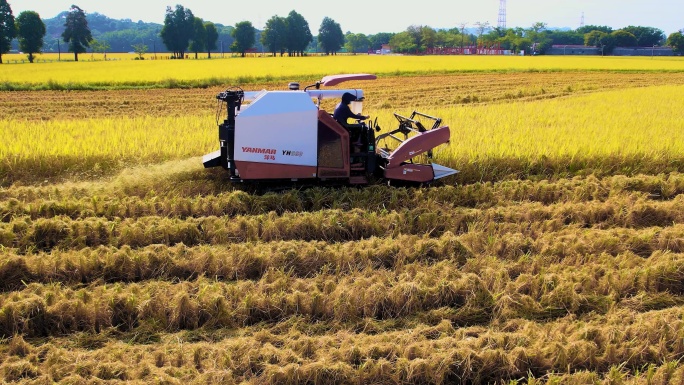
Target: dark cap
pixel 348 98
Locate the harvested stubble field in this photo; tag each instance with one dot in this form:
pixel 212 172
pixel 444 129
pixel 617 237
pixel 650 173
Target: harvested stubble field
pixel 559 262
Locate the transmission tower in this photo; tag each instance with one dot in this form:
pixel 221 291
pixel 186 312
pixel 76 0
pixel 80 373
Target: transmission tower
pixel 582 20
pixel 502 14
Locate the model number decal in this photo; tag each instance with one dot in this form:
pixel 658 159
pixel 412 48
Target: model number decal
pixel 293 153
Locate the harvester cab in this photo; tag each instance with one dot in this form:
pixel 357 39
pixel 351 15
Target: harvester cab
pixel 287 136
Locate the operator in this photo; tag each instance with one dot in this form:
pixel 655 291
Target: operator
pixel 343 112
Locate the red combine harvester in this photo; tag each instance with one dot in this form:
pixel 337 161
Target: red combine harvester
pixel 286 136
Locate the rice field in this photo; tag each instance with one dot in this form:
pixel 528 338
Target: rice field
pixel 555 256
pixel 196 73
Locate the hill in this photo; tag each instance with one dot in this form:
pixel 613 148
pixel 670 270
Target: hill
pixel 121 35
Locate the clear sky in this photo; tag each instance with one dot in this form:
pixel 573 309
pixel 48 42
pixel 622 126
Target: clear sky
pixel 372 16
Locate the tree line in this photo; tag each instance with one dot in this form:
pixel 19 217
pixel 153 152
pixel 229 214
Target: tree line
pixel 538 38
pixel 183 32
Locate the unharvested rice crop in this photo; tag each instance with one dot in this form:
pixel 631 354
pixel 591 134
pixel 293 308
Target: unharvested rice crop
pixel 178 73
pixel 556 256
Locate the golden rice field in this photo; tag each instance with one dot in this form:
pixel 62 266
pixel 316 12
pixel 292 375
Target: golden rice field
pixel 191 73
pixel 555 256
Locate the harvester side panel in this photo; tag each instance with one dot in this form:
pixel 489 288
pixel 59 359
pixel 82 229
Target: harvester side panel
pixel 278 128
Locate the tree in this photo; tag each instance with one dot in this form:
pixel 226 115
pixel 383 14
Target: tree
pixel 100 46
pixel 676 41
pixel 356 42
pixel 30 31
pixel 179 25
pixel 599 39
pixel 428 37
pixel 646 36
pixel 8 30
pixel 593 38
pixel 538 27
pixel 140 50
pixel 377 40
pixel 481 28
pixel 589 28
pixel 298 34
pixel 566 37
pixel 539 36
pixel 330 36
pixel 447 39
pixel 624 39
pixel 199 37
pixel 244 37
pixel 274 35
pixel 403 42
pixel 76 31
pixel 211 38
pixel 415 32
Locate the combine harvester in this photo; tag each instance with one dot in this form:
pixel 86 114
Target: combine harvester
pixel 284 136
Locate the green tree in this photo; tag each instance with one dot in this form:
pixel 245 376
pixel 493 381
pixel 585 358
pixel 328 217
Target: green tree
pixel 140 49
pixel 589 28
pixel 298 34
pixel 8 30
pixel 274 35
pixel 481 28
pixel 199 37
pixel 604 41
pixel 30 31
pixel 676 41
pixel 415 31
pixel 624 39
pixel 212 37
pixel 100 46
pixel 593 38
pixel 646 36
pixel 330 36
pixel 403 42
pixel 179 25
pixel 244 37
pixel 377 40
pixel 566 37
pixel 356 42
pixel 428 37
pixel 447 39
pixel 76 31
pixel 539 36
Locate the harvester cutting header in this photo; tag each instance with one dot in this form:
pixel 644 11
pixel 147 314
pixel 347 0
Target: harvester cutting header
pixel 285 135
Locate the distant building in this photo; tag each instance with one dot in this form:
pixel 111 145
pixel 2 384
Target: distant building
pixel 385 49
pixel 569 49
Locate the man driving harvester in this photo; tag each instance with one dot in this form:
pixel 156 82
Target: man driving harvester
pixel 344 112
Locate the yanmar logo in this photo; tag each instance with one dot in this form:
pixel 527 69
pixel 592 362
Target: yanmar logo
pixel 257 150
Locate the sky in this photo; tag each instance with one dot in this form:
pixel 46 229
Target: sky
pixel 372 16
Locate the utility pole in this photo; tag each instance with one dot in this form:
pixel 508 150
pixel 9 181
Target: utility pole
pixel 59 51
pixel 462 25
